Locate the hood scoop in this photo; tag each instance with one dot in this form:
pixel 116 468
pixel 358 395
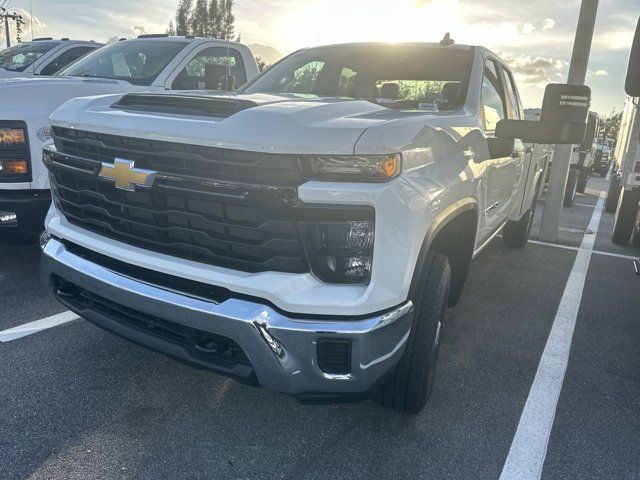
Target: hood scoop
pixel 193 105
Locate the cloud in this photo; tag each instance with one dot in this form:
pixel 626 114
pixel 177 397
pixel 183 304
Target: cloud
pixel 614 39
pixel 536 70
pixel 548 24
pixel 601 73
pixel 138 30
pixel 528 28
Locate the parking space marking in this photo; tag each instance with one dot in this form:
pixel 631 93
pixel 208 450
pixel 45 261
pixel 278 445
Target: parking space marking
pixel 37 326
pixel 529 447
pixel 583 205
pixel 577 249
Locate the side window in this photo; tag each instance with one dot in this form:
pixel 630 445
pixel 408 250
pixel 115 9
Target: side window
pixel 516 111
pixel 493 103
pixel 206 69
pixel 66 58
pixel 345 82
pixel 303 80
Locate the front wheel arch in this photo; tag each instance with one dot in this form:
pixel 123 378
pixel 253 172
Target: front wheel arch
pixel 453 234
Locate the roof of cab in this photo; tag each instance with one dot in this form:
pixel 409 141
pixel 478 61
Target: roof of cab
pixel 62 40
pixel 179 38
pixel 401 44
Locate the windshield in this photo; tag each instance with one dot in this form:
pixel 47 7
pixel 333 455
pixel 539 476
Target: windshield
pixel 19 57
pixel 398 76
pixel 137 61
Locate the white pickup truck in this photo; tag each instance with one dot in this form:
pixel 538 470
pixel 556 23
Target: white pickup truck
pixel 304 234
pixel 42 56
pixel 150 62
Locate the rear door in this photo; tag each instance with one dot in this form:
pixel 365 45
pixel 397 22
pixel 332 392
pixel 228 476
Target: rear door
pixel 65 58
pixel 517 176
pixel 505 167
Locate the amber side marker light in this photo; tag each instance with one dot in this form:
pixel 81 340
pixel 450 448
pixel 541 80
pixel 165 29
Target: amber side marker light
pixel 390 166
pixel 14 167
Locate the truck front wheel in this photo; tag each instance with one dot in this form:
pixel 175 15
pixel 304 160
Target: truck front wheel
pixel 625 218
pixel 410 385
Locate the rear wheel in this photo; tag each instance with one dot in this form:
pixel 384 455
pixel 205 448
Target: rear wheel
pixel 572 186
pixel 516 234
pixel 613 194
pixel 410 385
pixel 625 218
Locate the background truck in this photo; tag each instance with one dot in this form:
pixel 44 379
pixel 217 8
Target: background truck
pixel 623 196
pixel 603 156
pixel 42 56
pixel 307 233
pixel 150 62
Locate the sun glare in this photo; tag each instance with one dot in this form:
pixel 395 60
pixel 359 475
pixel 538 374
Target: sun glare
pixel 337 21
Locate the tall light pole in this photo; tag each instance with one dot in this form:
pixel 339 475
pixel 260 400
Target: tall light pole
pixel 562 155
pixel 6 16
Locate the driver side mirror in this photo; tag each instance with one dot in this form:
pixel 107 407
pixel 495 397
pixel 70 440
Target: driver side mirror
pixel 563 119
pixel 632 85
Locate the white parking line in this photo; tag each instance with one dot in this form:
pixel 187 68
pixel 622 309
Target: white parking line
pixel 583 205
pixel 577 249
pixel 37 326
pixel 529 447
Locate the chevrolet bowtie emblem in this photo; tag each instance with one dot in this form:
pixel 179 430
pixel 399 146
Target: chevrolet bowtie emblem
pixel 125 175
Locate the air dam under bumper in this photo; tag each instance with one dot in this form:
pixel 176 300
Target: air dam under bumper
pixel 282 350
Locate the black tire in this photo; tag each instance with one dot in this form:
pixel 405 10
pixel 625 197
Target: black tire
pixel 516 234
pixel 625 218
pixel 635 237
pixel 570 190
pixel 613 194
pixel 410 385
pixel 603 172
pixel 582 185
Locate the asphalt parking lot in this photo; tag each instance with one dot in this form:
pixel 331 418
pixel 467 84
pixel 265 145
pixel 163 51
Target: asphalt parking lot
pixel 76 402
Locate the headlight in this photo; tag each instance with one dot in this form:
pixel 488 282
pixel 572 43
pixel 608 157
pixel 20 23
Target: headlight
pixel 15 157
pixel 340 252
pixel 352 168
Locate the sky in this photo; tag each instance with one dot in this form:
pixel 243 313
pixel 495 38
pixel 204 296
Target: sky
pixel 535 37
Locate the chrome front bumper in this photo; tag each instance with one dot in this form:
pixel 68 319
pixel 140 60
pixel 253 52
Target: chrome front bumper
pixel 281 348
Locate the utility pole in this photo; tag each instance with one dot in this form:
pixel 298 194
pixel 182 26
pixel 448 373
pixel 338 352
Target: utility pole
pixel 6 16
pixel 562 155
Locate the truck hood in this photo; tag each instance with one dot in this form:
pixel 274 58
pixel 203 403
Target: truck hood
pixel 18 96
pixel 266 123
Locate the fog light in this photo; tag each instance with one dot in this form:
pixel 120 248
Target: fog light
pixel 334 356
pixel 8 218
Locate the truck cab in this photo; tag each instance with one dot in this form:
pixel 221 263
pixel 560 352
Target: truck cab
pixel 42 56
pixel 147 63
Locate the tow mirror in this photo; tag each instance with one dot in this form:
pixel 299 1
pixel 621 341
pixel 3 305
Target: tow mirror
pixel 563 119
pixel 632 85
